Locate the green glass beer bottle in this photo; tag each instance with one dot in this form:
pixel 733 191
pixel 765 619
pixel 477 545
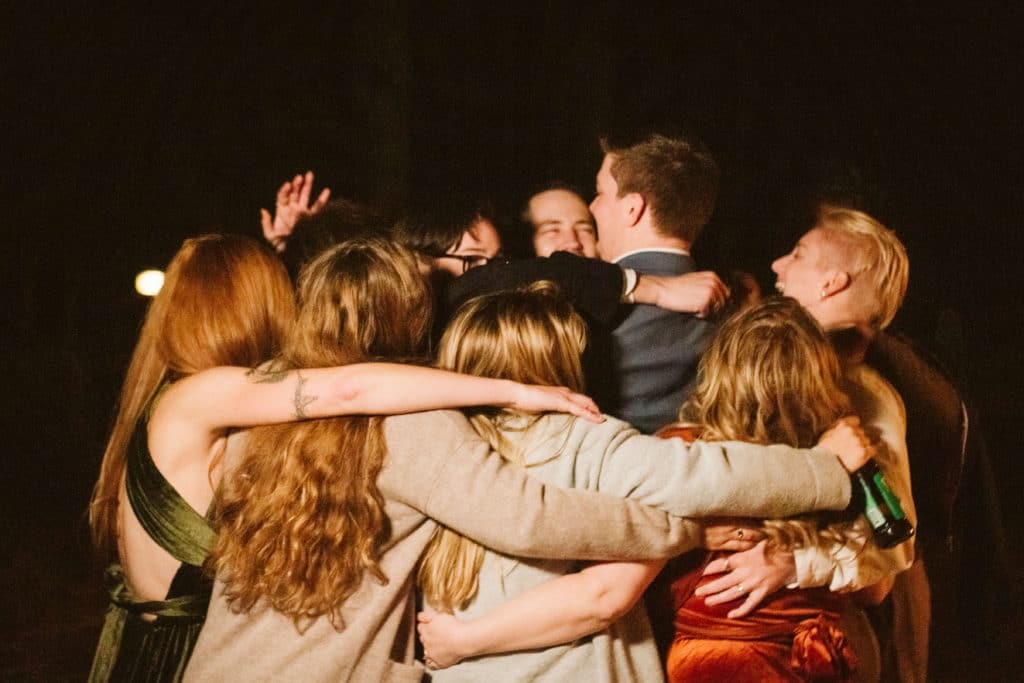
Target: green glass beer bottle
pixel 881 507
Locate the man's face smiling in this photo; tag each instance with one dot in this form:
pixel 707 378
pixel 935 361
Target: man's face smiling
pixel 562 222
pixel 801 273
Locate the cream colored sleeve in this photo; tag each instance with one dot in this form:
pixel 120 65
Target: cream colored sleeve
pixel 857 565
pixel 705 479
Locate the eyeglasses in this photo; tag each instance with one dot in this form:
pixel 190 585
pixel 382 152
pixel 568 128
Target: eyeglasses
pixel 471 261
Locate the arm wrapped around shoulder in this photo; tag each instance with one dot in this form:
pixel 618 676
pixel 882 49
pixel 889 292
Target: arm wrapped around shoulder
pixel 437 464
pixel 725 478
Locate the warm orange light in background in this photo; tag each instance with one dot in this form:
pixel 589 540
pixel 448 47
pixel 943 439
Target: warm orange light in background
pixel 149 282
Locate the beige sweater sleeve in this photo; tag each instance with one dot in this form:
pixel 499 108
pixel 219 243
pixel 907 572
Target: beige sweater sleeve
pixel 437 464
pixel 705 479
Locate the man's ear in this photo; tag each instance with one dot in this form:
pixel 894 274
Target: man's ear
pixel 834 282
pixel 635 206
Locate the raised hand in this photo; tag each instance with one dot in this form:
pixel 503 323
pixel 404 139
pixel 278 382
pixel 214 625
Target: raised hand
pixel 847 440
pixel 750 575
pixel 535 398
pixel 292 204
pixel 441 635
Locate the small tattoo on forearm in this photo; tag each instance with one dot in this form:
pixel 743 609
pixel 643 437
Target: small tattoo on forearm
pixel 266 376
pixel 300 401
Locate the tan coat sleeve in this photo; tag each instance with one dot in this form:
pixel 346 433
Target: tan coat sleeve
pixel 437 464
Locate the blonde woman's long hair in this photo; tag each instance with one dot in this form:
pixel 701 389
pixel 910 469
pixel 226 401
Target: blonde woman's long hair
pixel 226 300
pixel 300 517
pixel 529 335
pixel 770 376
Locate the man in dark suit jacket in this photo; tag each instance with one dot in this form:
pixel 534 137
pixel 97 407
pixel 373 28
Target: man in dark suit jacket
pixel 653 199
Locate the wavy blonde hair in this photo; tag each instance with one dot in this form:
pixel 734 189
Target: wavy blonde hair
pixel 530 335
pixel 226 300
pixel 770 376
pixel 301 519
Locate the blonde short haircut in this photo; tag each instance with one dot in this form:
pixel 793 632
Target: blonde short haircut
pixel 873 256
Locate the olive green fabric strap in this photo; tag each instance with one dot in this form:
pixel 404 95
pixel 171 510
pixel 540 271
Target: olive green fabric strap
pixel 109 645
pixel 123 604
pixel 161 510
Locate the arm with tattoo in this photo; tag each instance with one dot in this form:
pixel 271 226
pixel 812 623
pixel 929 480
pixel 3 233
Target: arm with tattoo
pixel 268 375
pixel 301 400
pixel 225 397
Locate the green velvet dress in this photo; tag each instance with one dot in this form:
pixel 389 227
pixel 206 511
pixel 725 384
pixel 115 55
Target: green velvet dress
pixel 133 648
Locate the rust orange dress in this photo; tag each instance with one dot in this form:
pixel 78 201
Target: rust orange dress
pixel 792 636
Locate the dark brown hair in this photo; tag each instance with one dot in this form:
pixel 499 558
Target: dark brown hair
pixel 677 177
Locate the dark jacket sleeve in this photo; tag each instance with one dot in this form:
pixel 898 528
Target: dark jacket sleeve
pixel 593 286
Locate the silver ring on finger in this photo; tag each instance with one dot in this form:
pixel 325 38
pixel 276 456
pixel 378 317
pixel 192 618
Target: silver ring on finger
pixel 739 534
pixel 738 587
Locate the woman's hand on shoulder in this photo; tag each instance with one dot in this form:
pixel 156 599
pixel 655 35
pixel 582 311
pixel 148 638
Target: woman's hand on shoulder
pixel 535 398
pixel 847 440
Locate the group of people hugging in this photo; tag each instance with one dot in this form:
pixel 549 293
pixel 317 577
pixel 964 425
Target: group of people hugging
pixel 365 452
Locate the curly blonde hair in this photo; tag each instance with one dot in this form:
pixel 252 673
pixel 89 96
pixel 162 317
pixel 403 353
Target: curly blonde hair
pixel 300 517
pixel 770 376
pixel 530 335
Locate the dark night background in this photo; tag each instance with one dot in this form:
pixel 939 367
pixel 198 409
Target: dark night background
pixel 127 131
